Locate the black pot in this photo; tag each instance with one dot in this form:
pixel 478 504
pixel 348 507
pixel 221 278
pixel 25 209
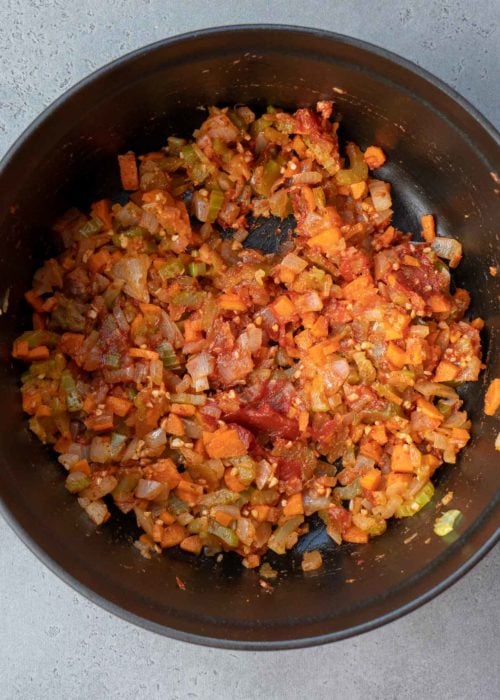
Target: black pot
pixel 442 154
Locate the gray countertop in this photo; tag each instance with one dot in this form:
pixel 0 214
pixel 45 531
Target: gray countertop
pixel 54 643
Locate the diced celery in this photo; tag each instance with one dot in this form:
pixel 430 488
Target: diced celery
pixel 168 356
pixel 277 541
pixel 90 228
pixel 171 268
pixel 421 499
pixel 270 173
pixel 358 169
pixel 215 202
pixel 188 297
pixel 223 533
pixel 446 522
pixel 112 360
pixel 219 498
pixel 196 269
pixel 77 481
pixel 73 399
pixel 347 492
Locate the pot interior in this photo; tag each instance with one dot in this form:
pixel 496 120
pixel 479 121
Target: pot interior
pixel 439 161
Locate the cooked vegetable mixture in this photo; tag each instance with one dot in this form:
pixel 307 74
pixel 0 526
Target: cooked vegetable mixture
pixel 223 395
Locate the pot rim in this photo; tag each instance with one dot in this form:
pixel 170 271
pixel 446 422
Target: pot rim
pixel 484 535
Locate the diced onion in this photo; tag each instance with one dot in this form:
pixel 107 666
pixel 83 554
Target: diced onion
pixel 156 438
pixel 380 193
pixel 134 270
pixel 149 489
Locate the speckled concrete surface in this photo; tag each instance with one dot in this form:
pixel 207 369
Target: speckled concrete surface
pixel 55 644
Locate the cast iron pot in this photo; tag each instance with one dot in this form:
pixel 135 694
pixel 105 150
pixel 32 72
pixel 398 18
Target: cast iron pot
pixel 441 156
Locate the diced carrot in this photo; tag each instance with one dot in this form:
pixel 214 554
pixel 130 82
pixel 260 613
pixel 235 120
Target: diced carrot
pixel 303 421
pixel 231 302
pixel 396 355
pixel 157 532
pixel 357 289
pixel 403 480
pixel 371 449
pixel 327 240
pixel 38 321
pixel 192 330
pixel 232 481
pixel 173 535
pixel 167 518
pixel 224 442
pixel 39 353
pixel 35 301
pixel 319 352
pixel 359 189
pixel 260 513
pixel 284 307
pixel 192 544
pixel 223 518
pixel 492 398
pixel 20 350
pixel 428 227
pixel 414 351
pixel 62 444
pixel 308 196
pixel 374 157
pixel 371 479
pixel 344 190
pixel 460 434
pixel 183 409
pixel 153 155
pixel 43 411
pixel 252 561
pixel 320 327
pixel 188 492
pixel 128 171
pixel 100 423
pixel 89 403
pixel 81 466
pixel 166 472
pixel 445 371
pixel 49 304
pixel 429 409
pixel 439 303
pixel 406 458
pixel 286 276
pixel 411 261
pixel 386 238
pixel 70 343
pixel 173 425
pixel 199 447
pixel 477 323
pixel 102 210
pixel 355 535
pixel 98 261
pixel 150 308
pixel 401 460
pixel 119 407
pixel 299 146
pixel 379 434
pixel 294 505
pixel 432 462
pixel 303 340
pixel 143 353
